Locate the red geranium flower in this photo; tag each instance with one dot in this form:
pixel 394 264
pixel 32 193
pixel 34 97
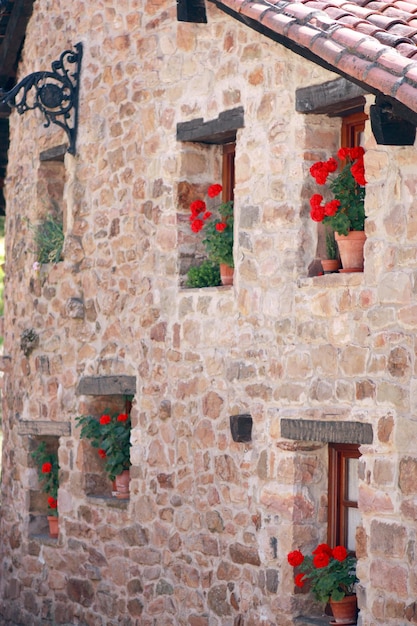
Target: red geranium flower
pixel 317 213
pixel 46 468
pixel 323 548
pixel 122 417
pixel 339 553
pixel 358 172
pixel 320 172
pixel 356 153
pixel 299 580
pixel 295 558
pixel 214 190
pixel 321 560
pixel 221 226
pixel 52 502
pixel 102 453
pixel 331 207
pixel 197 225
pixel 316 200
pixel 197 207
pixel 105 419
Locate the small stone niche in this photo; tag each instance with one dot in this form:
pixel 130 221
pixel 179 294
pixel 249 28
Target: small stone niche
pixel 38 500
pixel 105 394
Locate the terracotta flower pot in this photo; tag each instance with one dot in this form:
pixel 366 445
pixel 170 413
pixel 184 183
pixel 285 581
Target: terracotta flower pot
pixel 344 611
pixel 330 265
pixel 226 274
pixel 53 526
pixel 351 250
pixel 121 483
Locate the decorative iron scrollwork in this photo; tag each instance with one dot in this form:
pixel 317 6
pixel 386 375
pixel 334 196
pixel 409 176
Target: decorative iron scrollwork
pixel 55 93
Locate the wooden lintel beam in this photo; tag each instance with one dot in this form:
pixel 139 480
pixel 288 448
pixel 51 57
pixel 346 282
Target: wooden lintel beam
pixel 329 97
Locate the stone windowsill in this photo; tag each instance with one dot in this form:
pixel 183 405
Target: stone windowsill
pixel 303 620
pixel 349 279
pixel 208 289
pixel 108 501
pixel 44 538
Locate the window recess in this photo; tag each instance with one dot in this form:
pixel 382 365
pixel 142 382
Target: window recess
pixel 208 157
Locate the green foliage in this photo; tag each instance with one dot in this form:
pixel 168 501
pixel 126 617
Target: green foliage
pixel 219 244
pixel 352 198
pixel 110 434
pixel 207 274
pixel 49 240
pixel 48 470
pixel 331 245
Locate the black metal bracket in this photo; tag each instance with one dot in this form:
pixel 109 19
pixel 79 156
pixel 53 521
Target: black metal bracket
pixel 55 95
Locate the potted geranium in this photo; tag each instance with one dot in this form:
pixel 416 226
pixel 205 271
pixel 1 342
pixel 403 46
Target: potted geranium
pixel 345 212
pixel 218 228
pixel 48 470
pixel 330 574
pixel 110 435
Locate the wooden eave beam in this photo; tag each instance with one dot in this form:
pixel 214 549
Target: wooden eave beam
pixel 332 97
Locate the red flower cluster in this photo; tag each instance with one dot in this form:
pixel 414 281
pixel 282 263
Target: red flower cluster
pixel 321 170
pixel 105 419
pixel 199 207
pixel 321 558
pixel 52 502
pixel 46 468
pixel 122 417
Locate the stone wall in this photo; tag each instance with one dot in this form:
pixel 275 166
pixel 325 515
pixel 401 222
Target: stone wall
pixel 204 537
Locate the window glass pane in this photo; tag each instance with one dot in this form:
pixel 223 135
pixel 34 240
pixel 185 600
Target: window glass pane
pixel 354 519
pixel 352 473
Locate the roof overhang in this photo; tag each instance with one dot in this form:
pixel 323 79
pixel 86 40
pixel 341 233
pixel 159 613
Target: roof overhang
pixel 272 21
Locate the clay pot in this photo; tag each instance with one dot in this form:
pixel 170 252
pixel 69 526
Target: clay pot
pixel 330 265
pixel 121 484
pixel 344 611
pixel 351 250
pixel 226 274
pixel 53 526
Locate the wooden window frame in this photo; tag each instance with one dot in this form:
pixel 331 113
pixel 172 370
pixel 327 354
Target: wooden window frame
pixel 228 171
pixel 352 127
pixel 338 503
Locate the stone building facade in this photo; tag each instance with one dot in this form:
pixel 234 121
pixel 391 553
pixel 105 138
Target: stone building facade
pixel 203 539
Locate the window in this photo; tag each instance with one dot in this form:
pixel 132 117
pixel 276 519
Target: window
pixel 207 157
pixel 352 128
pixel 343 513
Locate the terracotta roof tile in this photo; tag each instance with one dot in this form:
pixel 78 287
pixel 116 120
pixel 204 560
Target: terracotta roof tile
pixel 370 40
pixel 407 50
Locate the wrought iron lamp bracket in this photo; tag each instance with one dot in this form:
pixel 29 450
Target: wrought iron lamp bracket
pixel 55 93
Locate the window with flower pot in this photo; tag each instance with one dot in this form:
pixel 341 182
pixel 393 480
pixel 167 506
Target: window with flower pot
pixel 205 197
pixel 43 494
pixel 342 213
pixel 104 429
pixel 343 513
